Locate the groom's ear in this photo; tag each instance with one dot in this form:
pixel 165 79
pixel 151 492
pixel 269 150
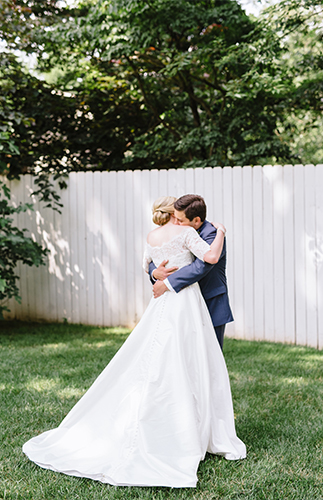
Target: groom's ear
pixel 197 222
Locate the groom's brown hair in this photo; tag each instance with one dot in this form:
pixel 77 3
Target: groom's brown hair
pixel 192 205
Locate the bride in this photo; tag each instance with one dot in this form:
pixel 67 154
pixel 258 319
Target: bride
pixel 164 400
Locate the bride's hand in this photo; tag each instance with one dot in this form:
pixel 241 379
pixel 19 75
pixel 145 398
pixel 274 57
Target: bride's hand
pixel 219 226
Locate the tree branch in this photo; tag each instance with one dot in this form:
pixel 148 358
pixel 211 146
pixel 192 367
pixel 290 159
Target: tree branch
pixel 150 104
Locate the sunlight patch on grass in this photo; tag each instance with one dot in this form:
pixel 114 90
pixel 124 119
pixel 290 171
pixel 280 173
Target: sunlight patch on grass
pixel 40 384
pixel 107 343
pixel 299 381
pixel 99 345
pixel 54 386
pixel 55 348
pixel 70 392
pixel 115 331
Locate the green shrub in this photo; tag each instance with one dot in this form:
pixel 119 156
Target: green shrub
pixel 15 246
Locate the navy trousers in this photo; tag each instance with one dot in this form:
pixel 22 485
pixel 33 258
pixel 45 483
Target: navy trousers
pixel 219 331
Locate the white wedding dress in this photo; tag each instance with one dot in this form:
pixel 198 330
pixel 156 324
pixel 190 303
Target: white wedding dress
pixel 162 402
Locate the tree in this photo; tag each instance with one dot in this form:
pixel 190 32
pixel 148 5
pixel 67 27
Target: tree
pixel 155 84
pixel 300 25
pixel 205 95
pixel 15 247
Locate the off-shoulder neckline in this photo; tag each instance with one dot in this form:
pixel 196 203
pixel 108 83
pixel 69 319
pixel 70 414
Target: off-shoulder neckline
pixel 187 228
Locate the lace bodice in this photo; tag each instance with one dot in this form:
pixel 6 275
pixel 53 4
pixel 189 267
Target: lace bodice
pixel 179 251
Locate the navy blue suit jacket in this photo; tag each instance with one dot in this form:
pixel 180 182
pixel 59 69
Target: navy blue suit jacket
pixel 211 278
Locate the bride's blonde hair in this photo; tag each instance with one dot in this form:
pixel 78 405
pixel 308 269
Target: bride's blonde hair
pixel 162 209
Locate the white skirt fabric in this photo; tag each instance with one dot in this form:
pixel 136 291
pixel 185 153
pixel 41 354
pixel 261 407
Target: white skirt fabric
pixel 162 402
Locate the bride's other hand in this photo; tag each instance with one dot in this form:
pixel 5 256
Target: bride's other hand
pixel 161 272
pixel 219 226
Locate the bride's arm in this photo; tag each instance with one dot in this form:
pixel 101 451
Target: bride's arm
pixel 214 254
pixel 209 253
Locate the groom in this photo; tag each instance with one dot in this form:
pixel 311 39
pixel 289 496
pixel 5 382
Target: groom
pixel 190 210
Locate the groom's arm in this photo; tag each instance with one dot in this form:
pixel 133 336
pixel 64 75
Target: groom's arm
pixel 189 274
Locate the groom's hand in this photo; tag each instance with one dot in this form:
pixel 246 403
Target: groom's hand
pixel 159 288
pixel 161 273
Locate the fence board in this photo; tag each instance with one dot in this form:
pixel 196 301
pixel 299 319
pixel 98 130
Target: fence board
pixel 154 192
pixel 238 253
pixel 112 242
pixel 31 280
pixel 98 268
pixel 81 267
pixel 120 259
pixel 258 260
pixel 199 185
pixel 248 258
pixel 212 195
pixel 106 242
pixel 89 248
pixel 65 255
pixel 274 218
pixel 299 252
pixel 163 182
pixel 319 251
pixel 13 186
pixel 30 223
pixel 269 331
pixel 74 253
pixel 56 280
pixel 288 249
pixel 139 276
pixel 130 235
pixel 214 192
pixel 278 252
pixel 189 181
pixel 22 309
pixel 310 268
pixel 147 225
pixel 230 238
pixel 180 183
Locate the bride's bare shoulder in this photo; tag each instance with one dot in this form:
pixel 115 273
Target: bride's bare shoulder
pixel 153 235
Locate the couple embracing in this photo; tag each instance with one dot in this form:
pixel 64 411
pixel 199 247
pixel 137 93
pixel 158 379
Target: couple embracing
pixel 164 400
pixel 190 210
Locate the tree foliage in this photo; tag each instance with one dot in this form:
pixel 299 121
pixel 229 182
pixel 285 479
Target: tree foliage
pixel 15 247
pixel 300 28
pixel 129 84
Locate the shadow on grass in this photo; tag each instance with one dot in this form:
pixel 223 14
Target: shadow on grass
pixel 26 333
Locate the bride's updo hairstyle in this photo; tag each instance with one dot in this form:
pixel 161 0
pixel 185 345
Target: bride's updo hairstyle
pixel 162 209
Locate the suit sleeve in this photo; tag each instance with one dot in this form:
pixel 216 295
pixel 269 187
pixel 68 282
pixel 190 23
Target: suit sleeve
pixel 193 272
pixel 150 271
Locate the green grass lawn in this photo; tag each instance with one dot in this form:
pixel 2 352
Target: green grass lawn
pixel 278 401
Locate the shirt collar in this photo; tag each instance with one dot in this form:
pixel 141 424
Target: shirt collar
pixel 201 227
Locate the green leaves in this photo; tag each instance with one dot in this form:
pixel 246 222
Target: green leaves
pixel 15 247
pixel 158 84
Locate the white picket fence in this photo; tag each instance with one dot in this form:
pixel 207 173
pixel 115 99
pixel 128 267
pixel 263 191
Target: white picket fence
pixel 94 275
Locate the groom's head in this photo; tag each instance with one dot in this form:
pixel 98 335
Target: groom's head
pixel 190 210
